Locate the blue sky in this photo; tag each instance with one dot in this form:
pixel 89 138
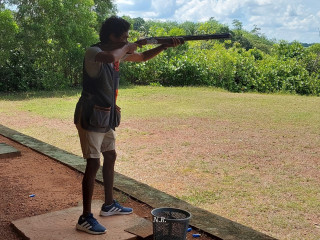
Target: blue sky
pixel 280 19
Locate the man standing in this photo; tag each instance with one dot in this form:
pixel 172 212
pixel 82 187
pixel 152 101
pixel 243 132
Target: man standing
pixel 97 115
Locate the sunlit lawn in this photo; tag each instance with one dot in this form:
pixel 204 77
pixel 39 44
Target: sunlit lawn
pixel 253 158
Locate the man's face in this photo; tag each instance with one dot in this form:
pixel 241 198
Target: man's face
pixel 122 39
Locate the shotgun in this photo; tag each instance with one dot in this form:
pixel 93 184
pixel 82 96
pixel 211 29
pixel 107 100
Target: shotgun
pixel 168 40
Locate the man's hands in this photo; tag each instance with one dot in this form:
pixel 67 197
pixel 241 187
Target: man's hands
pixel 129 47
pixel 151 53
pixel 176 41
pixel 165 42
pixel 113 52
pixel 132 47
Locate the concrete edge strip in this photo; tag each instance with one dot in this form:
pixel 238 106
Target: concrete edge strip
pixel 215 225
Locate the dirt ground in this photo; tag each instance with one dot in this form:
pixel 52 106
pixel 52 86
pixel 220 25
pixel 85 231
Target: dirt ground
pixel 55 187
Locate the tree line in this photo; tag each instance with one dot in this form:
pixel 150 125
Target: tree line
pixel 43 42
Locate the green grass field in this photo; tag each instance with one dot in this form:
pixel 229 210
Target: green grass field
pixel 253 158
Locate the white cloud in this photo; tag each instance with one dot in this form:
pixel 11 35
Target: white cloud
pixel 164 9
pixel 128 2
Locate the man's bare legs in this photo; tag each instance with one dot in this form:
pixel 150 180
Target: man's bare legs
pixel 111 206
pixel 88 181
pixel 89 177
pixel 108 175
pixel 87 222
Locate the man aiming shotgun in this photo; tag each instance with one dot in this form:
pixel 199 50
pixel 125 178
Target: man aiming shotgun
pixel 97 115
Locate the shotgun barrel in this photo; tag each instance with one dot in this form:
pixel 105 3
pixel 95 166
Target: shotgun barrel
pixel 168 40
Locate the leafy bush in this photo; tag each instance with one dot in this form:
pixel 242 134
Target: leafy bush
pixel 234 69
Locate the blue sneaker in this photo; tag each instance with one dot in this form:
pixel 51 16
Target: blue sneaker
pixel 90 225
pixel 113 209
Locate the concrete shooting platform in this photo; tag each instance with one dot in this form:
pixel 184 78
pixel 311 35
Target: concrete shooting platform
pixel 61 225
pixel 212 224
pixel 7 151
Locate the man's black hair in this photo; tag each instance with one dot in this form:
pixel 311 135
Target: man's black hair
pixel 115 25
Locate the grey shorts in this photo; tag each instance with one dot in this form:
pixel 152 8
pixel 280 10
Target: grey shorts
pixel 94 143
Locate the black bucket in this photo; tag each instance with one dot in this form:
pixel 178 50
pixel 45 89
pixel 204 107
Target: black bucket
pixel 170 223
